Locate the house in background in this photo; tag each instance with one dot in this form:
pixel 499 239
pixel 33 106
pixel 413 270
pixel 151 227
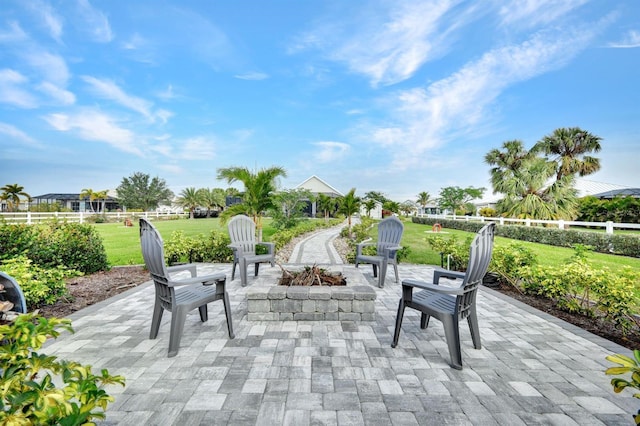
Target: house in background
pixel 316 186
pixel 375 213
pixel 73 202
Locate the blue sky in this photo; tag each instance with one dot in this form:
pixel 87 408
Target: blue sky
pixel 392 96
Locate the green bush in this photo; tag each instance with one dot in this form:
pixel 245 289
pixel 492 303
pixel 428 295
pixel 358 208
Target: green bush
pixel 39 389
pixel 41 286
pixel 15 239
pixel 449 248
pixel 628 366
pixel 212 248
pixel 507 261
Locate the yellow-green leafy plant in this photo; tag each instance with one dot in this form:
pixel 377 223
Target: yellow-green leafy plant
pixel 39 389
pixel 628 366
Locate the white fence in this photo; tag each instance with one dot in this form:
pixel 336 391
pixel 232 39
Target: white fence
pixel 81 217
pixel 609 227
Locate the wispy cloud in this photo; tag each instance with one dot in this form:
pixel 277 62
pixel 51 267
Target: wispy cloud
pixel 95 22
pixel 97 126
pixel 59 95
pixel 330 151
pixel 12 90
pixel 531 13
pixel 18 135
pixel 50 19
pixel 109 90
pixel 252 76
pixel 630 40
pixel 387 47
pixel 12 34
pixel 428 118
pixel 51 67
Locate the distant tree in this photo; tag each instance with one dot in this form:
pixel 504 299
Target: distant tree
pixel 232 192
pixel 101 196
pixel 456 198
pixel 369 205
pixel 140 191
pixel 91 195
pixel 392 206
pixel 324 204
pixel 569 148
pixel 12 193
pixel 288 207
pixel 376 195
pixel 349 205
pixel 258 189
pixel 407 207
pixel 423 199
pixel 212 198
pixel 190 198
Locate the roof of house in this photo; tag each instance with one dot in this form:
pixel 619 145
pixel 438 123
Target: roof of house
pixel 625 192
pixel 317 186
pixel 63 196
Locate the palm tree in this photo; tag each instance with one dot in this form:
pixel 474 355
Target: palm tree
pixel 349 205
pixel 12 193
pixel 102 197
pixel 190 198
pixel 258 188
pixel 507 161
pixel 369 205
pixel 325 204
pixel 423 199
pixel 570 147
pixel 212 198
pixel 88 193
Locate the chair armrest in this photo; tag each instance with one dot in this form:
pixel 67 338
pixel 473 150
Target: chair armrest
pixel 432 287
pixel 446 273
pixel 362 245
pixel 270 247
pixel 204 280
pixel 191 267
pixel 237 249
pixel 388 251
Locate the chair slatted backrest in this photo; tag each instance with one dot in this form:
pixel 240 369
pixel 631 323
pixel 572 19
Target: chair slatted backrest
pixel 389 233
pixel 242 231
pixel 153 254
pixel 479 259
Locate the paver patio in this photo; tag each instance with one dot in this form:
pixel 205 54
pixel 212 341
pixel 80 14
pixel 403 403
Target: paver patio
pixel 532 369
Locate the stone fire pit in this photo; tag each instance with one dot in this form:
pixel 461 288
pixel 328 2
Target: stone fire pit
pixel 268 301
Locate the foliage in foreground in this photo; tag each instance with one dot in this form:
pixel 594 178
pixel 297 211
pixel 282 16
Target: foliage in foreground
pixel 629 366
pixel 28 390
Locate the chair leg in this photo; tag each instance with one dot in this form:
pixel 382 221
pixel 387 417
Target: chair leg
pixel 383 274
pixel 233 270
pixel 472 319
pixel 178 318
pixel 375 270
pixel 158 310
pixel 452 334
pixel 395 267
pixel 424 320
pixel 396 334
pixel 257 266
pixel 204 314
pixel 227 312
pixel 243 272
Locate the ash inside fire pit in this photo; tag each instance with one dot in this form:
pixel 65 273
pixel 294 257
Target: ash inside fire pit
pixel 311 275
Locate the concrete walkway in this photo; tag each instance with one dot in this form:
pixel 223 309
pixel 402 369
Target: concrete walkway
pixel 532 369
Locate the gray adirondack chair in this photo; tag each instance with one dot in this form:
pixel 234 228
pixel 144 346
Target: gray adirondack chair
pixel 179 296
pixel 242 232
pixel 389 235
pixel 11 292
pixel 450 304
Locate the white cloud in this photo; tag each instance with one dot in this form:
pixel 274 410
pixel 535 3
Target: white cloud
pixel 630 40
pixel 530 13
pixel 13 34
pixel 330 151
pixel 53 68
pixel 109 90
pixel 59 95
pixel 17 134
pixel 49 17
pixel 427 118
pixel 197 148
pixel 387 47
pixel 252 76
pixel 96 126
pixel 95 22
pixel 167 94
pixel 12 92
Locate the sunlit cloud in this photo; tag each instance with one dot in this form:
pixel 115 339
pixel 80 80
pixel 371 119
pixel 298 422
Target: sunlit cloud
pixel 530 13
pixel 59 95
pixel 95 22
pixel 428 118
pixel 252 76
pixel 630 40
pixel 12 91
pixel 94 125
pixel 17 135
pixel 53 68
pixel 387 47
pixel 109 90
pixel 330 151
pixel 50 19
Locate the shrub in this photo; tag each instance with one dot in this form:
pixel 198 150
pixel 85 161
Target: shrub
pixel 15 239
pixel 41 389
pixel 449 248
pixel 41 286
pixel 628 366
pixel 507 261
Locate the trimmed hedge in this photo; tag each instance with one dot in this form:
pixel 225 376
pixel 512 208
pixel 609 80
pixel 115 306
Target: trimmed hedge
pixel 623 245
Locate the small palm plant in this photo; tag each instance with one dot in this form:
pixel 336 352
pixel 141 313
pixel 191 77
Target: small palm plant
pixel 626 365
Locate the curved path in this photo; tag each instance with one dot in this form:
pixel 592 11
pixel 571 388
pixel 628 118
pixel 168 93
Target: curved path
pixel 317 248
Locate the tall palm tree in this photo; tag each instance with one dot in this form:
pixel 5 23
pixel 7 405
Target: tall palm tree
pixel 190 198
pixel 369 205
pixel 12 193
pixel 325 205
pixel 507 161
pixel 102 197
pixel 349 205
pixel 258 188
pixel 423 199
pixel 212 198
pixel 569 148
pixel 88 193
